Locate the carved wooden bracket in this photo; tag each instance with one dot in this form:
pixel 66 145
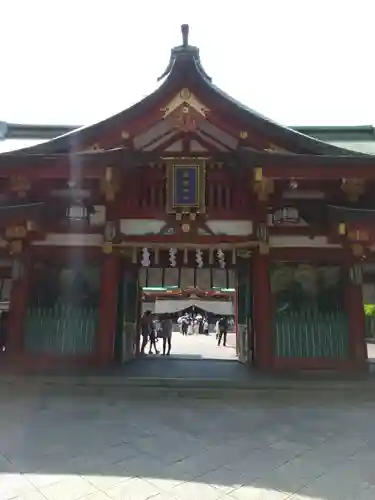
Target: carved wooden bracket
pixel 93 148
pixel 358 250
pixel 353 188
pixel 15 232
pixel 359 235
pixel 19 185
pixel 110 184
pixel 107 247
pixel 264 188
pixel 187 224
pixel 264 248
pixel 16 247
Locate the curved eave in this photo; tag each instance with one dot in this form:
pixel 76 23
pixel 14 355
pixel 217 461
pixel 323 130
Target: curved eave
pixel 348 214
pixel 80 138
pixel 190 71
pixel 186 70
pixel 289 138
pixel 242 158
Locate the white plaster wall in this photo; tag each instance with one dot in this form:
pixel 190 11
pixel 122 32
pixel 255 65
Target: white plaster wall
pixel 141 226
pixel 368 293
pixel 301 241
pixel 231 227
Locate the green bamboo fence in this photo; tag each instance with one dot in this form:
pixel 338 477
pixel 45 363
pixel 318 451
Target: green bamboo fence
pixel 61 330
pixel 311 335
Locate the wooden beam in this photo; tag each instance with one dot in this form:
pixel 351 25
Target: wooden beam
pixel 169 241
pixel 160 148
pixel 308 231
pixel 274 165
pixel 160 145
pixel 336 256
pixel 63 172
pixel 322 172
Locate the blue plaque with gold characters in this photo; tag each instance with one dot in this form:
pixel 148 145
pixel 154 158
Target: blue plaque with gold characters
pixel 185 184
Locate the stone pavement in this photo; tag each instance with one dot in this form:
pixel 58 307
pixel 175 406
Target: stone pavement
pixel 201 347
pixel 272 447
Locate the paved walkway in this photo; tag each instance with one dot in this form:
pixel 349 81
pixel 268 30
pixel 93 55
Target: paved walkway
pixel 201 347
pixel 193 356
pixel 270 448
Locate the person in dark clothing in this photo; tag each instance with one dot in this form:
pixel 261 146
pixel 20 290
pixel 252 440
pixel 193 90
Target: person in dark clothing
pixel 3 330
pixel 223 330
pixel 166 332
pixel 200 326
pixel 205 326
pixel 153 337
pixel 148 332
pixel 184 325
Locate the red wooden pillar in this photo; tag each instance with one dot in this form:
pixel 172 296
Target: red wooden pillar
pixel 18 304
pixel 262 310
pixel 107 308
pixel 356 316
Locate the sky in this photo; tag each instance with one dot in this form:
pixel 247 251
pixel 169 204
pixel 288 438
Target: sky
pixel 76 62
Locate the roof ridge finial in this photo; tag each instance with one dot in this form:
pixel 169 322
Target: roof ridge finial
pixel 185 34
pixel 184 53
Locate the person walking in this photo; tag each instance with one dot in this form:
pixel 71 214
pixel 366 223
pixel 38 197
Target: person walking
pixel 217 331
pixel 205 326
pixel 153 338
pixel 223 330
pixel 148 333
pixel 146 327
pixel 184 325
pixel 166 330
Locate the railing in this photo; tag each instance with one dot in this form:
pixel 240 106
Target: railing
pixel 150 194
pixel 61 330
pixel 311 335
pixel 219 197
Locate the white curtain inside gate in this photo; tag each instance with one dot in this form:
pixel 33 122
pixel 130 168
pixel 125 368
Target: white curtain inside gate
pixel 212 306
pixel 148 306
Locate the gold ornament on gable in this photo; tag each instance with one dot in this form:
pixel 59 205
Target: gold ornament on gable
pixel 185 111
pixel 185 98
pixel 263 186
pixel 110 184
pixel 353 188
pixel 19 184
pixel 15 232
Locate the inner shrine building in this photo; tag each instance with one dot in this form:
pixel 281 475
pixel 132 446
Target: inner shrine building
pixel 187 188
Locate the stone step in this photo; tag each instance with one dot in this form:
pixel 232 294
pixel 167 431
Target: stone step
pixel 121 383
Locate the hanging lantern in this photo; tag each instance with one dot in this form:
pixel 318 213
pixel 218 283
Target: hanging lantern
pixel 77 211
pixel 286 215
